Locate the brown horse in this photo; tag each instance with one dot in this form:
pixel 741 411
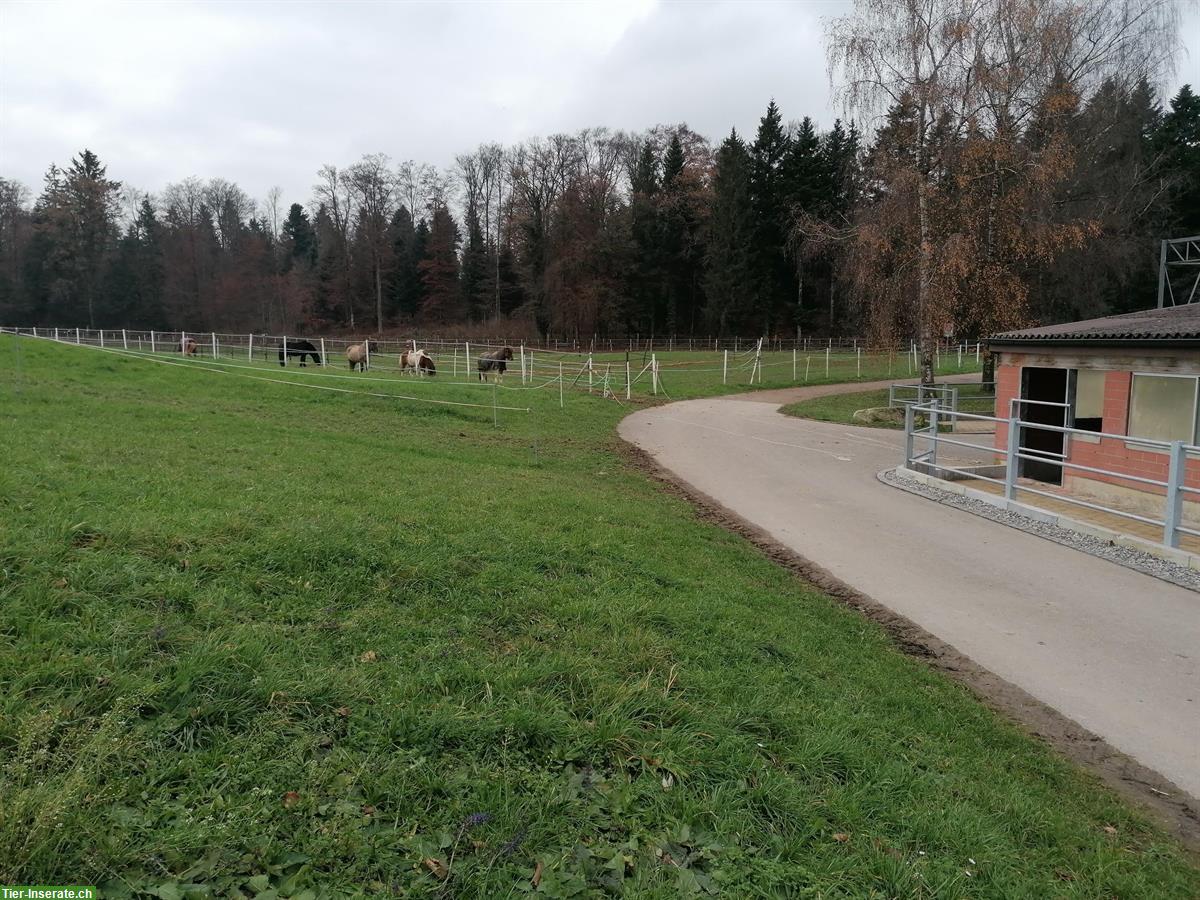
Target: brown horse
pixel 187 346
pixel 494 361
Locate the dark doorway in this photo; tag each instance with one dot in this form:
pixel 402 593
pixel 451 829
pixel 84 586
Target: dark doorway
pixel 1050 386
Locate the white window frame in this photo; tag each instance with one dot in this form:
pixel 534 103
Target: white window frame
pixel 1132 442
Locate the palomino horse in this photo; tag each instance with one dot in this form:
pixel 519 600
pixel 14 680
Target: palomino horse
pixel 494 361
pixel 418 361
pixel 360 355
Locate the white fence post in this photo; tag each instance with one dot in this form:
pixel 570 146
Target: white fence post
pixel 827 361
pixel 793 364
pixel 214 345
pixel 56 334
pixel 522 363
pixel 101 338
pixel 250 347
pixel 858 351
pixel 628 386
pixel 467 373
pixel 977 353
pixel 1174 510
pixel 324 355
pixel 77 335
pixel 560 385
pixel 725 369
pixel 807 363
pixel 124 339
pixel 283 362
pixel 654 372
pixel 589 365
pixel 152 350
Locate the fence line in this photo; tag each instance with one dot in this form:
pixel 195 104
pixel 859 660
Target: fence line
pixel 204 365
pixel 747 365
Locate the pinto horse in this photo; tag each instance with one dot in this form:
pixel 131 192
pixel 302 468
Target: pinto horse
pixel 360 355
pixel 302 349
pixel 494 361
pixel 420 362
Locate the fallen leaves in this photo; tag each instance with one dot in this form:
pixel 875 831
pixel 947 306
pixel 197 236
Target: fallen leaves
pixel 290 799
pixel 368 656
pixel 537 874
pixel 436 867
pixel 842 838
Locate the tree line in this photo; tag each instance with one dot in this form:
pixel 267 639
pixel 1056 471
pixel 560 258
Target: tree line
pixel 1015 173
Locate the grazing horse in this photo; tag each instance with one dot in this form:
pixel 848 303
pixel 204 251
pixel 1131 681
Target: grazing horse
pixel 420 362
pixel 360 355
pixel 494 361
pixel 302 349
pixel 187 346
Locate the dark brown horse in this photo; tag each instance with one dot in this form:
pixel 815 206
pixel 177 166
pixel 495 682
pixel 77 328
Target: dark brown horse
pixel 302 349
pixel 494 361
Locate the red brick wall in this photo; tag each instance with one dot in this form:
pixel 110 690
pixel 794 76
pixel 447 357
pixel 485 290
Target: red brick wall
pixel 1108 453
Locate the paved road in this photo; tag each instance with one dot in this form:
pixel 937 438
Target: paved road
pixel 1113 649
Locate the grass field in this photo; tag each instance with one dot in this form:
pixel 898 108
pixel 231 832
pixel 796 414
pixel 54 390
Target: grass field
pixel 842 407
pixel 683 374
pixel 259 640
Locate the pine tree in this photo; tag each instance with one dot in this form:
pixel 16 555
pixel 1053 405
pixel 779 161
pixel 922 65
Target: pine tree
pixel 773 271
pixel 299 239
pixel 729 266
pixel 641 311
pixel 1178 136
pixel 76 221
pixel 439 269
pixel 474 275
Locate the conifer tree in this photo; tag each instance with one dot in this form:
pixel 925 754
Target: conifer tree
pixel 729 263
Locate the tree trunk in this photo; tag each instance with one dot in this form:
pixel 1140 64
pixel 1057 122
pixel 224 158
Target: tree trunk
pixel 989 369
pixel 924 269
pixel 378 298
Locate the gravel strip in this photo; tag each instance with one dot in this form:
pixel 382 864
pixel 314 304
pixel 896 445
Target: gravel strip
pixel 1138 560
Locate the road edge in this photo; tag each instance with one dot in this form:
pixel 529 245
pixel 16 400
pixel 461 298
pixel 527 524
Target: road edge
pixel 1147 789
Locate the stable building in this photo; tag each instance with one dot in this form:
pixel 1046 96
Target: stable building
pixel 1128 385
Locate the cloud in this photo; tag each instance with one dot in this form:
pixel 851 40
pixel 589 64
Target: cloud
pixel 264 93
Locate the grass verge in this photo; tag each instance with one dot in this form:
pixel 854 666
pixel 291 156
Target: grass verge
pixel 260 640
pixel 842 407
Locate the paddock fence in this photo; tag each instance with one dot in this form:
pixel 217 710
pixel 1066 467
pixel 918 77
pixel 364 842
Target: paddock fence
pixel 622 374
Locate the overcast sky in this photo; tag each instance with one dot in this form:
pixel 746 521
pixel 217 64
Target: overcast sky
pixel 264 93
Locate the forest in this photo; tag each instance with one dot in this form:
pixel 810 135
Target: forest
pixel 970 204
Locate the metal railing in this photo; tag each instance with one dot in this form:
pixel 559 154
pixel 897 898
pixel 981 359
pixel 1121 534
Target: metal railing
pixel 987 459
pixel 901 394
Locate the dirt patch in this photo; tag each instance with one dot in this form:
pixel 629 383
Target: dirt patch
pixel 1165 802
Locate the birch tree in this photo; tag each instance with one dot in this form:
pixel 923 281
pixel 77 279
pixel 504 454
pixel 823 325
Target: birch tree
pixel 960 213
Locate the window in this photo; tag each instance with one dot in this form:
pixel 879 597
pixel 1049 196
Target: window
pixel 1163 407
pixel 1089 400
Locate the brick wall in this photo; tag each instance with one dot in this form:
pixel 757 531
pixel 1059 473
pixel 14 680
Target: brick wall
pixel 1107 453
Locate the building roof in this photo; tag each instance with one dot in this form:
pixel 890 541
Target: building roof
pixel 1171 325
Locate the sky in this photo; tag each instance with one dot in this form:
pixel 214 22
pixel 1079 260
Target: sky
pixel 264 93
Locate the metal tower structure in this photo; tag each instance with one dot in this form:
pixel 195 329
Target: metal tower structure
pixel 1176 254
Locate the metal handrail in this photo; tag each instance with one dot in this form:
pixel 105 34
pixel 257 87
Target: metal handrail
pixel 1175 489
